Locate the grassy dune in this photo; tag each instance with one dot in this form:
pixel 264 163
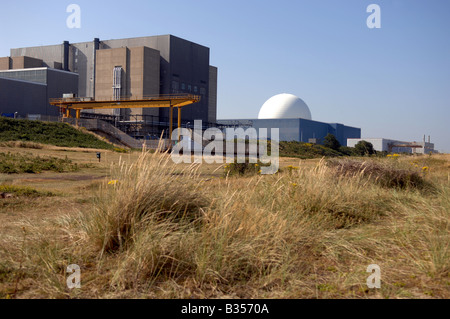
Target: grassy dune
pixel 32 133
pixel 153 229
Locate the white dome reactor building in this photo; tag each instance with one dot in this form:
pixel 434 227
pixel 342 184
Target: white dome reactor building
pixel 284 106
pixel 291 116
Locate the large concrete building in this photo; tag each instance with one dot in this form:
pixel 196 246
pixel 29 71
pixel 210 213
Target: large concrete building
pixel 25 90
pixel 134 67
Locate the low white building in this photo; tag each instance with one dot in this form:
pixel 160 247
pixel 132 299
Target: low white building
pixel 394 146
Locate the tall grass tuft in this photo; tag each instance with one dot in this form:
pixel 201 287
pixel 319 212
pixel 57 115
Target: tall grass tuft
pixel 383 173
pixel 158 230
pixel 148 192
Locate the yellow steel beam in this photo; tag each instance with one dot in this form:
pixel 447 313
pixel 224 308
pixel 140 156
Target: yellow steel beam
pixel 118 105
pixel 161 101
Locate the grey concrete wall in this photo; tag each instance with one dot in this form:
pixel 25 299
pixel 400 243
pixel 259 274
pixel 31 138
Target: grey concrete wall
pixel 58 83
pixel 54 82
pixel 189 66
pixel 37 75
pixel 23 97
pixel 212 102
pixel 49 54
pixel 152 75
pixel 144 68
pixel 81 61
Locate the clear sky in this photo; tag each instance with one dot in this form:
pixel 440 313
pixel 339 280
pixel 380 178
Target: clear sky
pixel 393 82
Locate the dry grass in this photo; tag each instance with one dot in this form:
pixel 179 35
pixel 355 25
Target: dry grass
pixel 384 173
pixel 157 230
pixel 22 144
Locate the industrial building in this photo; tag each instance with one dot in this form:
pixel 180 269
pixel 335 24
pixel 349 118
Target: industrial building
pixel 394 146
pixel 293 118
pixel 26 92
pixel 135 68
pixel 27 84
pixel 124 68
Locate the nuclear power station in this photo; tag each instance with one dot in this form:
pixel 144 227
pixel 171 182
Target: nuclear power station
pixel 130 87
pixel 100 70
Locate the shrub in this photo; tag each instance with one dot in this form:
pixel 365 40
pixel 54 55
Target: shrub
pixel 347 151
pixel 384 174
pixel 242 169
pixel 364 148
pixel 330 141
pixel 306 150
pixel 23 191
pixel 18 163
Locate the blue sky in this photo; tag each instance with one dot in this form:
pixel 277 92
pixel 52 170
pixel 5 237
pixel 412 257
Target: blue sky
pixel 393 82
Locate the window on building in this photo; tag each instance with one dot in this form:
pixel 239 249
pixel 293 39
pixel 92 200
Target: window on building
pixel 183 86
pixel 189 88
pixel 195 89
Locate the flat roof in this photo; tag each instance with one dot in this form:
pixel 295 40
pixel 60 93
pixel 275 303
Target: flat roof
pixel 29 82
pixel 36 69
pixel 100 40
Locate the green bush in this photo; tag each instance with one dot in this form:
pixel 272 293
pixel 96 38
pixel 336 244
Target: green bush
pixel 331 141
pixel 306 150
pixel 364 148
pixel 18 163
pixel 58 134
pixel 23 191
pixel 347 151
pixel 242 169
